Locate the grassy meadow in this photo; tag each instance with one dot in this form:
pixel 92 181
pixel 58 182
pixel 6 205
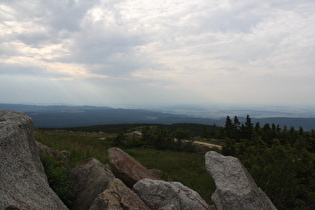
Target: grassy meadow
pixel 187 168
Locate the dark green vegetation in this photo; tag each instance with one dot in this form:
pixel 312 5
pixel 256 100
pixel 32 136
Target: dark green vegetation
pixel 58 177
pixel 194 128
pixel 281 161
pixel 185 167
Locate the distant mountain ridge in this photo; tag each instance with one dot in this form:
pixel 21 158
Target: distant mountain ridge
pixel 72 116
pixel 60 116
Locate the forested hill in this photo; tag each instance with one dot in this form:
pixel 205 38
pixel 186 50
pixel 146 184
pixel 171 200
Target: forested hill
pixel 71 116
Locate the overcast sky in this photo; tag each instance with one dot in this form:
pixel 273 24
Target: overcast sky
pixel 94 52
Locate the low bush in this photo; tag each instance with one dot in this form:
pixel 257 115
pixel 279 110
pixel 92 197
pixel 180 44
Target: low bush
pixel 58 178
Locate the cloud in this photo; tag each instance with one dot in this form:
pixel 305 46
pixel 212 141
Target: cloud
pixel 178 51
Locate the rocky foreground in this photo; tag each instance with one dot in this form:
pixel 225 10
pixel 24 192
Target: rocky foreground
pixel 123 184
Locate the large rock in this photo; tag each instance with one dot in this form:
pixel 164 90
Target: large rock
pixel 126 168
pixel 23 183
pixel 89 179
pixel 235 188
pixel 158 194
pixel 118 197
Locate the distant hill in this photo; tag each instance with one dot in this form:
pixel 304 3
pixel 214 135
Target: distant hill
pixel 72 116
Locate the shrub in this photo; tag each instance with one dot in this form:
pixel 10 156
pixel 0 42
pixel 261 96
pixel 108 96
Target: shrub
pixel 58 178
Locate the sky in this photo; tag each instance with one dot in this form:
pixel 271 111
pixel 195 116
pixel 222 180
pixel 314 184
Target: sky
pixel 157 52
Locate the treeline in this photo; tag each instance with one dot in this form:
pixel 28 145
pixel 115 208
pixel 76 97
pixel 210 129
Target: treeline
pixel 157 137
pixel 281 160
pixel 194 128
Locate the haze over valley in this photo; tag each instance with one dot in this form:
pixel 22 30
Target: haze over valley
pixel 198 61
pixel 58 116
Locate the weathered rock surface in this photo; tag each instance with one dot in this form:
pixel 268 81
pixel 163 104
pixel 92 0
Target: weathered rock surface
pixel 58 155
pixel 158 194
pixel 235 188
pixel 126 168
pixel 118 197
pixel 89 179
pixel 23 183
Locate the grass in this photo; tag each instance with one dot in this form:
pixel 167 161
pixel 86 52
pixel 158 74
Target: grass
pixel 187 168
pixel 58 178
pixel 81 145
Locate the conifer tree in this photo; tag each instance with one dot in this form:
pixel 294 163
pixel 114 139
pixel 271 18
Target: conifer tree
pixel 247 129
pixel 229 127
pixel 236 123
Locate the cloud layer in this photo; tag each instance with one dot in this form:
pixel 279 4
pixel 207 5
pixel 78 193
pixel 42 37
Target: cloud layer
pixel 146 52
